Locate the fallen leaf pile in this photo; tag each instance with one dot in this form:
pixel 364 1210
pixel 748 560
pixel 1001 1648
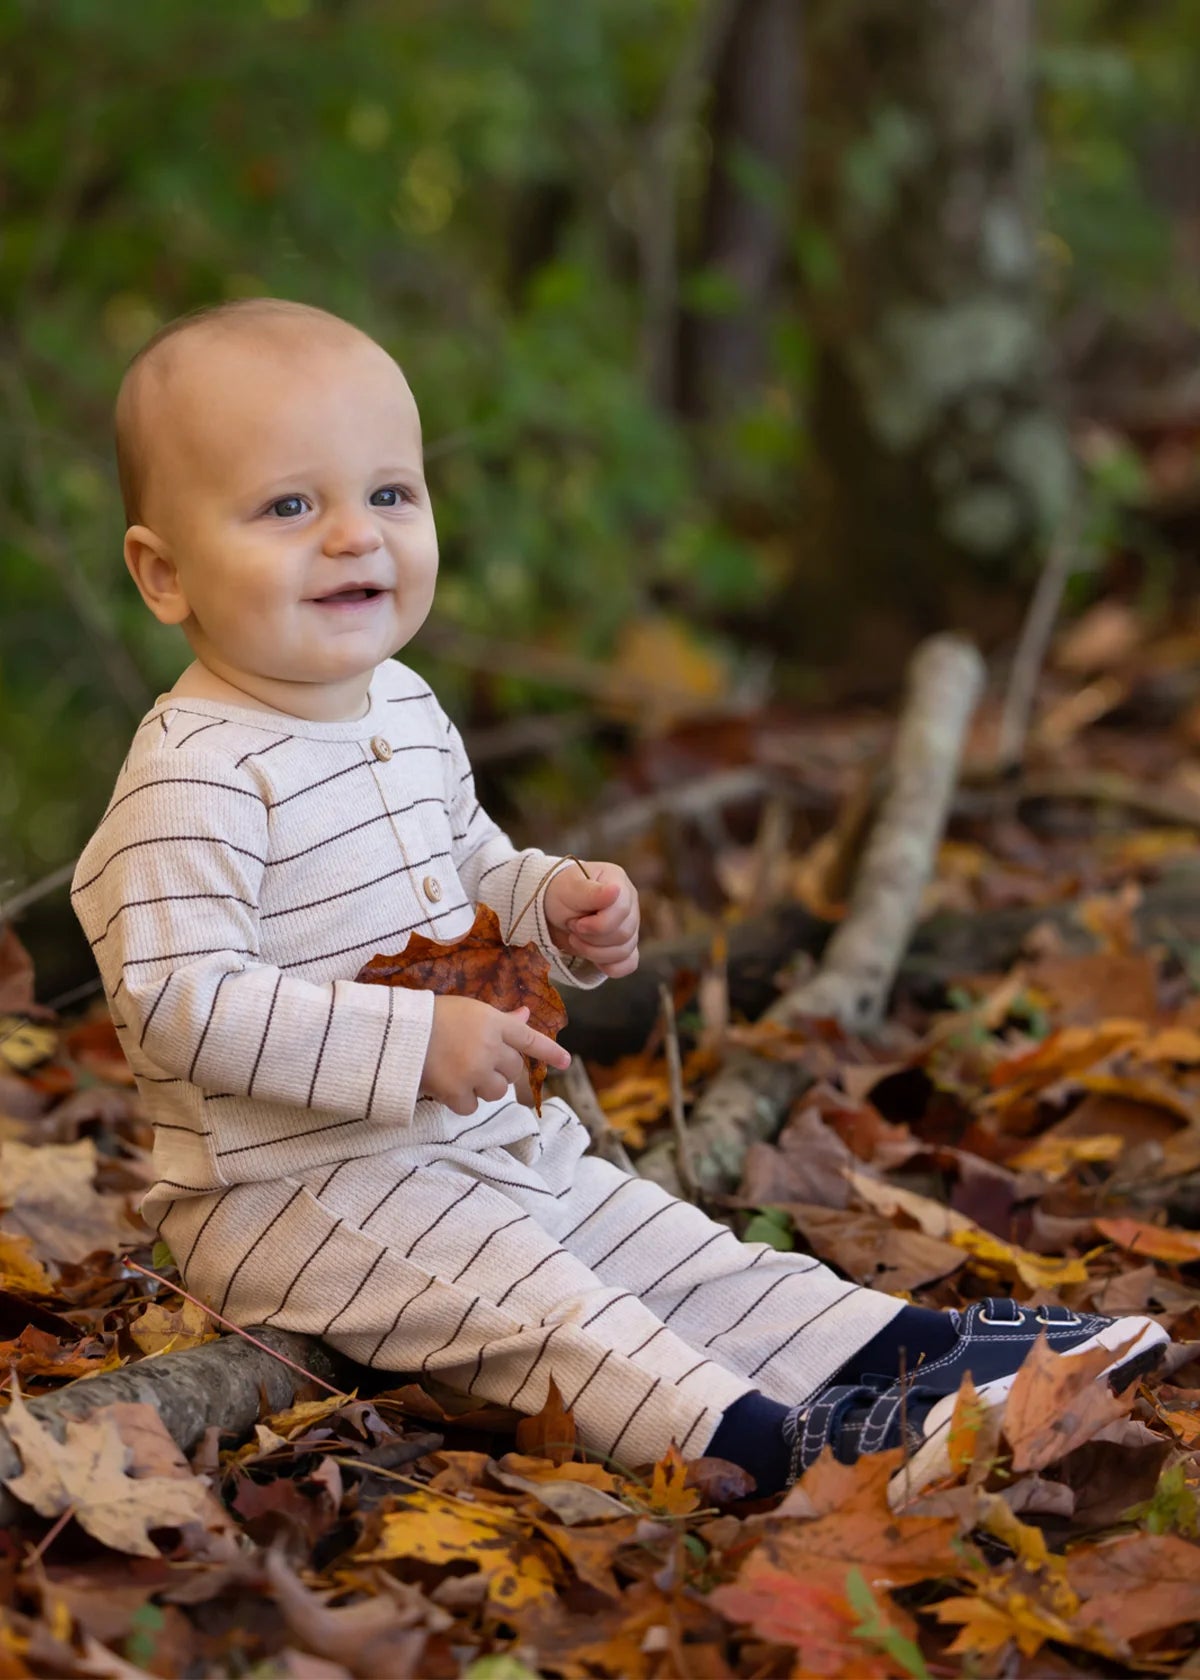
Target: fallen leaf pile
pixel 1025 1125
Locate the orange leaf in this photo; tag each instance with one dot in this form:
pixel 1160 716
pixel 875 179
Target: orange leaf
pixel 852 1526
pixel 551 1434
pixel 479 965
pixel 813 1616
pixel 1157 1242
pixel 964 1426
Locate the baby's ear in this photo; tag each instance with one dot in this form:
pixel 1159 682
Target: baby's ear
pixel 152 569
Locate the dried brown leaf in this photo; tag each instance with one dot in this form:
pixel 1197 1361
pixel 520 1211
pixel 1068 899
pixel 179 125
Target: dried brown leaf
pixel 480 965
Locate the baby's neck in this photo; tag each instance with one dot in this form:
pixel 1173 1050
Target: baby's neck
pixel 197 682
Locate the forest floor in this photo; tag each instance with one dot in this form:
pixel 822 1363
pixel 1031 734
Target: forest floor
pixel 1031 1129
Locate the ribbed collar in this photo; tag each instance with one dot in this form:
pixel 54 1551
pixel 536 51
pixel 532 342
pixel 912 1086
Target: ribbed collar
pixel 347 729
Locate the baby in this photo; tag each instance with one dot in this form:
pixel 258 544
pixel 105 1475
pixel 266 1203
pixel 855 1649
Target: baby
pixel 355 1161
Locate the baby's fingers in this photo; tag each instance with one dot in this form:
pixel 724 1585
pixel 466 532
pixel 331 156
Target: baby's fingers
pixel 534 1044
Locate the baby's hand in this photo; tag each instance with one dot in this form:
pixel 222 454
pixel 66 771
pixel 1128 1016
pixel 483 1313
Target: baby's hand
pixel 475 1051
pixel 595 916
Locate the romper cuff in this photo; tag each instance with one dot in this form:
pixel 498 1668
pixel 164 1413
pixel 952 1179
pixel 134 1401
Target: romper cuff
pixel 532 926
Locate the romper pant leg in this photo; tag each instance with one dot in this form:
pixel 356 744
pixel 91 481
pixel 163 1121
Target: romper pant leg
pixel 782 1320
pixel 495 1269
pixel 427 1267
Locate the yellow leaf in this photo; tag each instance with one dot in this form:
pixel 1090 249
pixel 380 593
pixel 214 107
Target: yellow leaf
pixel 24 1044
pixel 437 1529
pixel 1054 1156
pixel 161 1329
pixel 298 1418
pixel 19 1270
pixel 668 1491
pixel 662 671
pixel 1036 1271
pixel 988 1626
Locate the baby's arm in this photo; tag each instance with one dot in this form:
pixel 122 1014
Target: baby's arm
pixel 167 892
pixel 493 872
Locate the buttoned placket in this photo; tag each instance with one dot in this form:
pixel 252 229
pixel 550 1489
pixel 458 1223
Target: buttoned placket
pixel 380 752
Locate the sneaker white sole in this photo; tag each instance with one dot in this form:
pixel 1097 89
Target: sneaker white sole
pixel 931 1461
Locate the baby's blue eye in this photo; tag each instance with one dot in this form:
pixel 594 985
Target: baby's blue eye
pixel 288 507
pixel 389 496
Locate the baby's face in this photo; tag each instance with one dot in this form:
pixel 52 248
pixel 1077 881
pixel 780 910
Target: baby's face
pixel 283 470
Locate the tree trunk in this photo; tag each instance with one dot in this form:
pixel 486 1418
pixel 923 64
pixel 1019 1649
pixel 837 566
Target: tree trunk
pixel 939 457
pixel 724 357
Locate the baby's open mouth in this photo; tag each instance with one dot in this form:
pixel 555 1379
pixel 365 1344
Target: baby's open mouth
pixel 348 595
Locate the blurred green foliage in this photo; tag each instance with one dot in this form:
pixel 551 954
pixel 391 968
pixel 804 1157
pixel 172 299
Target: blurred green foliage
pixel 466 179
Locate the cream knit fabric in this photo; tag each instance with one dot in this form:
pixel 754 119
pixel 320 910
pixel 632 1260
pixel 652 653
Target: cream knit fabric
pixel 247 866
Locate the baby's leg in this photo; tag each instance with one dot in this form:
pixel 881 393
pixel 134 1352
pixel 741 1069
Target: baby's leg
pixel 783 1321
pixel 426 1266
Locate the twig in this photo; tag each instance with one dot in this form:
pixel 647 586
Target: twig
pixel 516 921
pixel 750 1096
pixel 683 1148
pixel 47 1540
pixel 1061 562
pixel 237 1329
pixel 578 1090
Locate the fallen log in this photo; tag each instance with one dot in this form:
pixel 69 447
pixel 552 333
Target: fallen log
pixel 615 1020
pixel 750 1097
pixel 229 1382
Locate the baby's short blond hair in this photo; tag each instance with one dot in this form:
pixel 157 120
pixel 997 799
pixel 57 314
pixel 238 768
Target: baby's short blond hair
pixel 133 444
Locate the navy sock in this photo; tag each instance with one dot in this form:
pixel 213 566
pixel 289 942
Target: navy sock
pixel 915 1331
pixel 750 1434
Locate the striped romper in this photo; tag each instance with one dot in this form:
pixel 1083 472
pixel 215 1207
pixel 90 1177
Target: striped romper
pixel 248 865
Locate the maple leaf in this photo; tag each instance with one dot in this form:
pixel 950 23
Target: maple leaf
pixel 851 1525
pixel 670 1491
pixel 1057 1402
pixel 439 1529
pixel 85 1474
pixel 813 1616
pixel 480 965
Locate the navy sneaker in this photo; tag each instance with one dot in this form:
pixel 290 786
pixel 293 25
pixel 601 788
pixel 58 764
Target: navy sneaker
pixel 993 1338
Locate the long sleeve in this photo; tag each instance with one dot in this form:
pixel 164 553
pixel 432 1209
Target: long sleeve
pixel 168 892
pixel 495 873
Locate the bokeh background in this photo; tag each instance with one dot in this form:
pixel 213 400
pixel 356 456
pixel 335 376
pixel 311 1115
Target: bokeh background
pixel 753 339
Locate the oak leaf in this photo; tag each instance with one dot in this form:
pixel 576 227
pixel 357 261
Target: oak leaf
pixel 480 965
pixel 86 1473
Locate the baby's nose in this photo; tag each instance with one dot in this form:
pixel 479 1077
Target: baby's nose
pixel 352 532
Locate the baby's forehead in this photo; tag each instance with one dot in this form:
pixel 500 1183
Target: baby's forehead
pixel 199 381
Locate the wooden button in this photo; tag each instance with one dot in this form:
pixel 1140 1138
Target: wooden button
pixel 380 748
pixel 432 888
